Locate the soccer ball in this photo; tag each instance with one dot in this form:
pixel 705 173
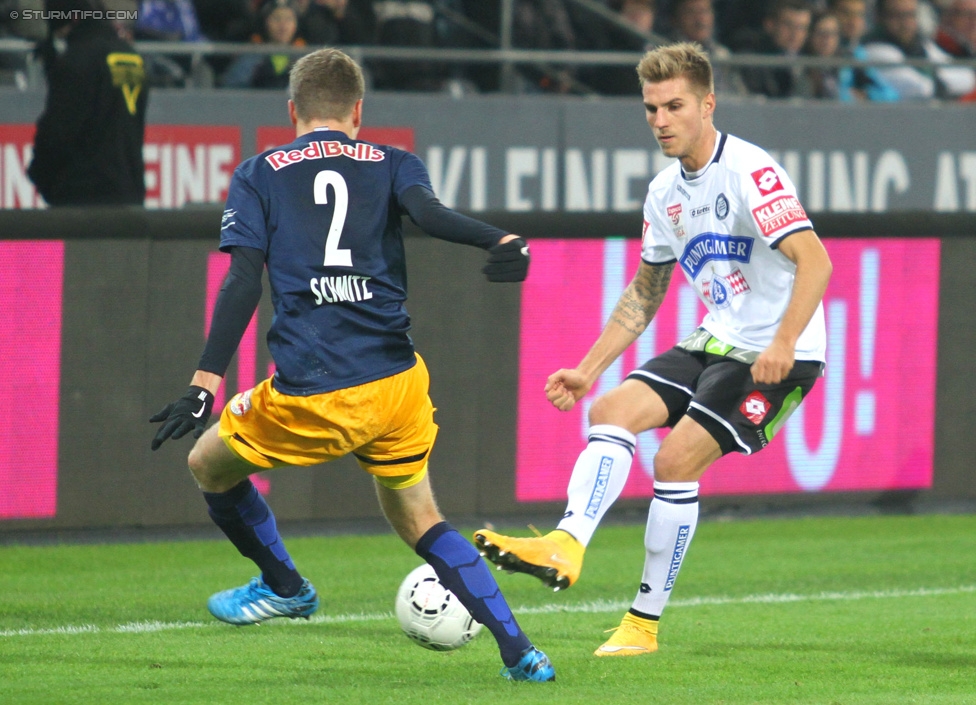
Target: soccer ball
pixel 430 615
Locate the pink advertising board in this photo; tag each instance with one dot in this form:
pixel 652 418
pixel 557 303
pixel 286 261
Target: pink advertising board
pixel 868 424
pixel 218 264
pixel 30 357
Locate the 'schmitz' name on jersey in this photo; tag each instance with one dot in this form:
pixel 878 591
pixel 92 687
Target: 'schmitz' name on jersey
pixel 349 287
pixel 359 151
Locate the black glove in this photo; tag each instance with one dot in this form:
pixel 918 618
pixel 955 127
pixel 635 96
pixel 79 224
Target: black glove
pixel 508 262
pixel 188 413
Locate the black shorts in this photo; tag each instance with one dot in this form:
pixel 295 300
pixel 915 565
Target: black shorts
pixel 719 393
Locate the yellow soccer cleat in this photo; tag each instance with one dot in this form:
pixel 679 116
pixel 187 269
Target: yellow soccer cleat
pixel 556 558
pixel 634 636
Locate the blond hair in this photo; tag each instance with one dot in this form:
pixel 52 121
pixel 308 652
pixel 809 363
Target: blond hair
pixel 325 84
pixel 685 59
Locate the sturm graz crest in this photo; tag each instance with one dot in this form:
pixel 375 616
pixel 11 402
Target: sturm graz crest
pixel 721 207
pixel 720 292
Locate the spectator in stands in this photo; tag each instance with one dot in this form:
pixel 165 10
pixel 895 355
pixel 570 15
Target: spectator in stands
pixel 331 22
pixel 694 21
pixel 226 20
pixel 956 35
pixel 279 27
pixel 408 23
pixel 896 38
pixel 828 82
pixel 168 21
pixel 545 24
pixel 739 22
pixel 823 41
pixel 639 13
pixel 88 145
pixel 785 29
pixel 602 36
pixel 859 82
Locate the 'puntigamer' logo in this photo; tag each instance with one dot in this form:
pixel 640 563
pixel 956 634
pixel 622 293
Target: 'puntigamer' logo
pixel 706 247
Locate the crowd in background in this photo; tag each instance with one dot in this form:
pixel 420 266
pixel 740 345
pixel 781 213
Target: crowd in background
pixel 877 30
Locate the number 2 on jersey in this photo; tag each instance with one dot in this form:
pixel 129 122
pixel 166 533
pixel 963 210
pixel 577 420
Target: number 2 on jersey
pixel 334 257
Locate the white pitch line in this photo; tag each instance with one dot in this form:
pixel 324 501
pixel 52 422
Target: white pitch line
pixel 598 606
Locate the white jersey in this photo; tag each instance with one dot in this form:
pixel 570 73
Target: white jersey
pixel 722 226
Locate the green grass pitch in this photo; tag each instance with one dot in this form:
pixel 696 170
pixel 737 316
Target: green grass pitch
pixel 828 610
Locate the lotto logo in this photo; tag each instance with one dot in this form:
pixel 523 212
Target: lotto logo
pixel 644 230
pixel 767 181
pixel 674 213
pixel 755 407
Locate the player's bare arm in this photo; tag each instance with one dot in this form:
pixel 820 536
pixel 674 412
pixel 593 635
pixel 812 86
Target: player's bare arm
pixel 208 380
pixel 813 269
pixel 633 312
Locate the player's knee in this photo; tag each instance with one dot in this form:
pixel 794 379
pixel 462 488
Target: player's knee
pixel 205 472
pixel 198 465
pixel 671 464
pixel 605 411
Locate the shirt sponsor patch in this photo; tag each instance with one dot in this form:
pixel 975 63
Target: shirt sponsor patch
pixel 778 213
pixel 708 247
pixel 361 152
pixel 755 407
pixel 720 290
pixel 767 181
pixel 674 213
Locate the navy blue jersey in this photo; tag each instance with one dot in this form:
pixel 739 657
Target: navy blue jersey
pixel 325 210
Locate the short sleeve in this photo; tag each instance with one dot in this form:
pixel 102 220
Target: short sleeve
pixel 773 207
pixel 409 171
pixel 654 249
pixel 244 222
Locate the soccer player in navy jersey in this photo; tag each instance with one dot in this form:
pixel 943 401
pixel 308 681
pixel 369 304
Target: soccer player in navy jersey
pixel 323 214
pixel 729 218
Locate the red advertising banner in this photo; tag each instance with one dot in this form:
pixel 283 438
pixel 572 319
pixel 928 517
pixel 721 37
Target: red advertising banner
pixel 16 152
pixel 184 164
pixel 189 163
pixel 869 424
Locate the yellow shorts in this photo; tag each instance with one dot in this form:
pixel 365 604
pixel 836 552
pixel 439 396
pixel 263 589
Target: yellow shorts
pixel 387 424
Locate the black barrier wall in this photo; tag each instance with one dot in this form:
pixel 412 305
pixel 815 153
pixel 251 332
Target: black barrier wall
pixel 133 319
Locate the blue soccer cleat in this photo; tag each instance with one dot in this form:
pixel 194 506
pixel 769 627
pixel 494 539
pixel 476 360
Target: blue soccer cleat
pixel 256 602
pixel 533 666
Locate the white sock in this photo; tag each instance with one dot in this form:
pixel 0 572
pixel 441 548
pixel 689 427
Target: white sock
pixel 598 478
pixel 671 524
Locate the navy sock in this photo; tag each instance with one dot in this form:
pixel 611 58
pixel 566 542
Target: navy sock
pixel 462 571
pixel 247 520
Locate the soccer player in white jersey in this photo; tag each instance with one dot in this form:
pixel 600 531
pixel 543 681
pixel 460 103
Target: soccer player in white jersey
pixel 729 217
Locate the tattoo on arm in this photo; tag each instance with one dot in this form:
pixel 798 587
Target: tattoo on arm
pixel 642 297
